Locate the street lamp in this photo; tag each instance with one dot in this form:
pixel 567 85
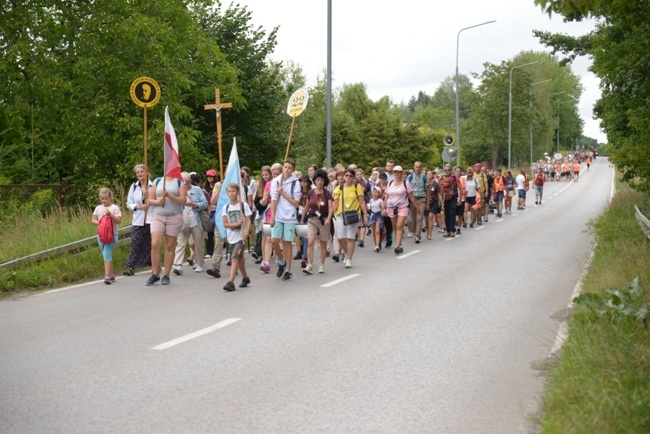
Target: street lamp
pixel 558 118
pixel 510 110
pixel 530 98
pixel 457 97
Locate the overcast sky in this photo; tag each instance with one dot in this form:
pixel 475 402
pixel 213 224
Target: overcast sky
pixel 398 48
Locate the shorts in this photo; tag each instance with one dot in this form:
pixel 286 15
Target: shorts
pixel 376 218
pixel 316 230
pixel 434 208
pixel 576 172
pixel 344 231
pixel 237 250
pixel 538 191
pixel 402 211
pixel 470 200
pixel 169 224
pixel 521 194
pixel 284 231
pixel 460 207
pixel 498 196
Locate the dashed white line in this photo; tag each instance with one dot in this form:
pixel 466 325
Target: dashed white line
pixel 337 281
pixel 414 252
pixel 195 335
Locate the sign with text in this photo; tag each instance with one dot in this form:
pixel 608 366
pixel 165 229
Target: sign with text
pixel 297 102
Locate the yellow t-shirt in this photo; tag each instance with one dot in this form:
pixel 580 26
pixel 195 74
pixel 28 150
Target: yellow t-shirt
pixel 351 200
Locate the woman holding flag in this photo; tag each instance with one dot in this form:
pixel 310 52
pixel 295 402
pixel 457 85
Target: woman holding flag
pixel 168 196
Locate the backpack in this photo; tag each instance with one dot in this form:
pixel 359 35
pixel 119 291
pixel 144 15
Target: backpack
pixel 105 230
pixel 450 187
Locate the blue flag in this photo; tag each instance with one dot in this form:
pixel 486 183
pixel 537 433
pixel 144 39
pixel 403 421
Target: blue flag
pixel 233 176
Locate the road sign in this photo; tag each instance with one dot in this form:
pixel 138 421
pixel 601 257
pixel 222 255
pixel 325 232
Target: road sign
pixel 449 154
pixel 145 92
pixel 297 102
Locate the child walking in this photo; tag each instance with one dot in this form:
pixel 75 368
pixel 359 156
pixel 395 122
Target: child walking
pixel 236 218
pixel 110 211
pixel 377 209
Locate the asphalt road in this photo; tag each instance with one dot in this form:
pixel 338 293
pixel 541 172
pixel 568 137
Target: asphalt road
pixel 445 338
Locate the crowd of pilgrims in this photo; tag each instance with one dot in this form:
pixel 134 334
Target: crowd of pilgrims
pixel 287 214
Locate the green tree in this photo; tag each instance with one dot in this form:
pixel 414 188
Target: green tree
pixel 618 47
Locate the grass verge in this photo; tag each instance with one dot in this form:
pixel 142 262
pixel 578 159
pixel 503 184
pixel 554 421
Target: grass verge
pixel 33 233
pixel 601 381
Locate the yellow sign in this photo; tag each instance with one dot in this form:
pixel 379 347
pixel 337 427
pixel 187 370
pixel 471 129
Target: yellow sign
pixel 297 102
pixel 145 92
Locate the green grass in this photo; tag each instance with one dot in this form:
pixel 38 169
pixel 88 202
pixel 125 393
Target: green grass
pixel 33 233
pixel 601 381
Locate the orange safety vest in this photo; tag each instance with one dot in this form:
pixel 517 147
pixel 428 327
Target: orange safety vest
pixel 499 184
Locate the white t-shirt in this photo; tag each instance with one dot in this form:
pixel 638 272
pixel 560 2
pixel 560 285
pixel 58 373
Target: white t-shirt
pixel 471 185
pixel 521 181
pixel 100 211
pixel 233 213
pixel 375 205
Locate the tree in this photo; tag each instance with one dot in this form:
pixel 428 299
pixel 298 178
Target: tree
pixel 619 48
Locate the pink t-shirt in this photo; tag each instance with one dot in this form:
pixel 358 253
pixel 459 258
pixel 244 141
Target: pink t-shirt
pixel 398 194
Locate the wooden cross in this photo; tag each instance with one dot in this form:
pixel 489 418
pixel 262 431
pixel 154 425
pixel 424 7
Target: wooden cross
pixel 218 105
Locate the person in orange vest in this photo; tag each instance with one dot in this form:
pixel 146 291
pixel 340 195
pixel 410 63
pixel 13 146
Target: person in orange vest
pixel 588 162
pixel 576 170
pixel 498 189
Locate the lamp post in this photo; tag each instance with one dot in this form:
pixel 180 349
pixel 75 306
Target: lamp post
pixel 328 126
pixel 510 110
pixel 530 98
pixel 457 97
pixel 574 99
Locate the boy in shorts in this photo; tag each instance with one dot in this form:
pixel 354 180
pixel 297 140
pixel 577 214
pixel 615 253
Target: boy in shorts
pixel 236 218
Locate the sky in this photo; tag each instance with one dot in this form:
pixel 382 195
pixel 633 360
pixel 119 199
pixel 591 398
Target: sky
pixel 397 48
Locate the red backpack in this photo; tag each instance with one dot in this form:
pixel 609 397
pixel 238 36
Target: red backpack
pixel 105 230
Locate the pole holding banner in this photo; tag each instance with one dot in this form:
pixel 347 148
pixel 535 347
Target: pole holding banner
pixel 297 104
pixel 145 93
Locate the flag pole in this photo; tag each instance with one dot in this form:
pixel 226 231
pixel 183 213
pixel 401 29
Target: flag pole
pixel 293 122
pixel 146 168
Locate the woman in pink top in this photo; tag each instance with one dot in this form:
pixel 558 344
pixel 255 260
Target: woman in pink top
pixel 398 196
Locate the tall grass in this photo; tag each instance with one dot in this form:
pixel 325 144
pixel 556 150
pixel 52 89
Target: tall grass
pixel 601 381
pixel 32 232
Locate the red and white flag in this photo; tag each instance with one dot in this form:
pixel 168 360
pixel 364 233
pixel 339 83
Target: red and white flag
pixel 172 160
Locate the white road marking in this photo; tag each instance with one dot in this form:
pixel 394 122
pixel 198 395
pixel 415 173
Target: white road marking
pixel 563 330
pixel 196 334
pixel 414 252
pixel 499 221
pixel 479 228
pixel 337 281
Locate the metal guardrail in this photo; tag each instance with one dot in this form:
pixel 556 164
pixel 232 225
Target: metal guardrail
pixel 125 238
pixel 643 221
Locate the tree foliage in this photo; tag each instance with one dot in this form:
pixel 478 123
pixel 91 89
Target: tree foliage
pixel 619 47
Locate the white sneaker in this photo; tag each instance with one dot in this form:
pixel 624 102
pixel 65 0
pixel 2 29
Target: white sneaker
pixel 199 269
pixel 308 269
pixel 321 269
pixel 409 235
pixel 177 269
pixel 348 263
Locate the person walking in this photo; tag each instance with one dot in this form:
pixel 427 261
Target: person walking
pixel 399 195
pixel 167 195
pixel 140 250
pixel 521 189
pixel 348 200
pixel 420 184
pixel 192 226
pixel 285 198
pixel 236 219
pixel 538 183
pixel 318 215
pixel 449 191
pixel 107 210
